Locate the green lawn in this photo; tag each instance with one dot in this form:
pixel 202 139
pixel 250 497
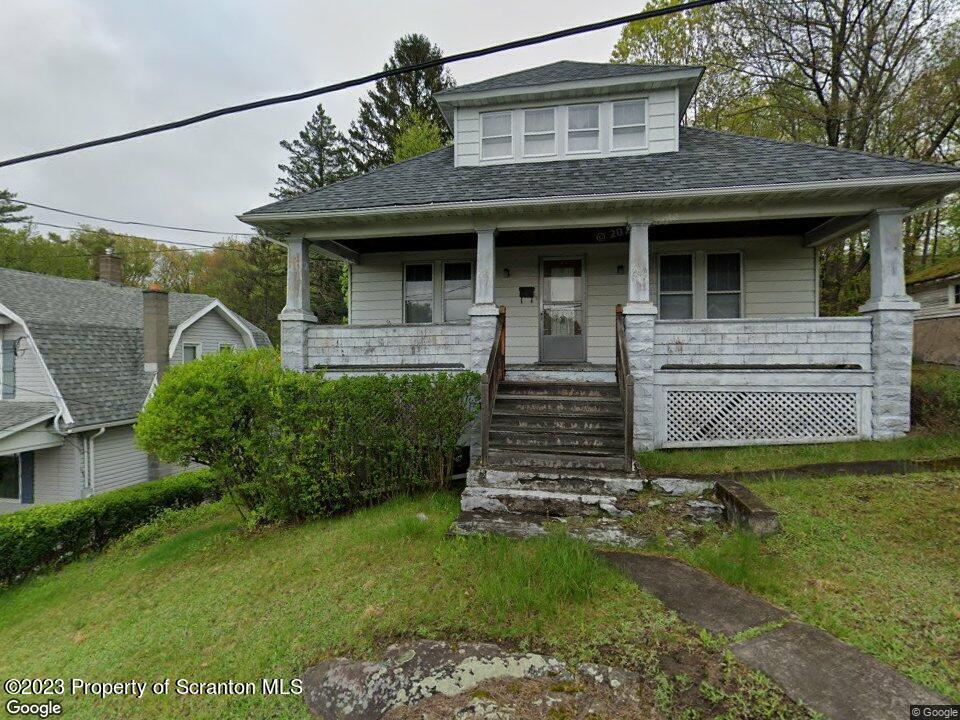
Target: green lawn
pixel 873 560
pixel 194 597
pixel 920 445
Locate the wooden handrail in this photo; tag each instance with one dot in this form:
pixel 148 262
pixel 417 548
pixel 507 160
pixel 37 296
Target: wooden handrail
pixel 490 381
pixel 625 381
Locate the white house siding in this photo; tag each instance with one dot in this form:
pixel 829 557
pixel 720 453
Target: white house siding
pixel 934 300
pixel 118 462
pixel 390 345
pixel 31 380
pixel 58 472
pixel 812 342
pixel 209 332
pixel 662 127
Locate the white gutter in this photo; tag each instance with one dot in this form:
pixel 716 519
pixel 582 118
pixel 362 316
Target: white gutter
pixel 722 192
pixel 91 465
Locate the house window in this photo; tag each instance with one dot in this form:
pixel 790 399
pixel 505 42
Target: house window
pixel 226 346
pixel 676 287
pixel 723 285
pixel 955 294
pixel 457 291
pixel 629 125
pixel 191 352
pixel 496 132
pixel 10 477
pixel 418 293
pixel 539 132
pixel 583 128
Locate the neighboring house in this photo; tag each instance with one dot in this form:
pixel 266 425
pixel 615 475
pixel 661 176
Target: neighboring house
pixel 573 189
pixel 77 365
pixel 937 328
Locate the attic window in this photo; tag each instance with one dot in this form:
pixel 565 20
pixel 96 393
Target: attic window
pixel 629 125
pixel 496 131
pixel 583 128
pixel 539 132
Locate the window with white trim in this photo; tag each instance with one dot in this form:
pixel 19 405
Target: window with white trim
pixel 954 294
pixel 539 132
pixel 583 128
pixel 418 293
pixel 457 291
pixel 191 351
pixel 10 477
pixel 675 282
pixel 724 299
pixel 629 125
pixel 496 135
pixel 227 346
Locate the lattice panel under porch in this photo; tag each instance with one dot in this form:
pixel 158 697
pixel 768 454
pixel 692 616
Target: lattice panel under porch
pixel 739 415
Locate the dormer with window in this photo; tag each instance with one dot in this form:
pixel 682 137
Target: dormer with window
pixel 569 111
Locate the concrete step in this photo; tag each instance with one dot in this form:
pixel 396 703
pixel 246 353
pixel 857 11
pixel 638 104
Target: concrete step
pixel 583 482
pixel 538 502
pixel 513 458
pixel 567 441
pixel 522 421
pixel 577 372
pixel 559 389
pixel 533 405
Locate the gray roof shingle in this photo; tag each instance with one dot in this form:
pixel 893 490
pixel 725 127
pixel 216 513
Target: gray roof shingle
pixel 16 413
pixel 706 160
pixel 90 336
pixel 559 72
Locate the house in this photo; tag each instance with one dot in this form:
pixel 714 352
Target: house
pixel 623 281
pixel 79 360
pixel 937 327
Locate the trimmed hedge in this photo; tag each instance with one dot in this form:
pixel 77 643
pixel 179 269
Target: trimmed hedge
pixel 46 535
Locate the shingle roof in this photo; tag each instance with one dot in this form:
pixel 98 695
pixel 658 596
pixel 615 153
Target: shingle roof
pixel 15 413
pixel 90 336
pixel 944 268
pixel 558 72
pixel 706 160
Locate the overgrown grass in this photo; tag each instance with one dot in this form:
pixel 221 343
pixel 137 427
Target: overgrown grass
pixel 921 445
pixel 873 560
pixel 193 596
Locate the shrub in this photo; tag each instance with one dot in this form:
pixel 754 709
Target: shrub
pixel 49 534
pixel 287 446
pixel 935 397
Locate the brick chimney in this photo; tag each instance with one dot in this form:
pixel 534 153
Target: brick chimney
pixel 111 268
pixel 156 329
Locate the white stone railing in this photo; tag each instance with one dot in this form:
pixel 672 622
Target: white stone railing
pixel 389 348
pixel 817 343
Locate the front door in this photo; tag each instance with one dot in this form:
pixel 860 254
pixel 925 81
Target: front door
pixel 562 336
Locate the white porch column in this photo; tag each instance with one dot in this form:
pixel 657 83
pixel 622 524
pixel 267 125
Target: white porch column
pixel 639 315
pixel 483 312
pixel 296 316
pixel 891 310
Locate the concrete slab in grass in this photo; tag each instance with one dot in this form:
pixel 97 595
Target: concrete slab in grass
pixel 696 596
pixel 832 677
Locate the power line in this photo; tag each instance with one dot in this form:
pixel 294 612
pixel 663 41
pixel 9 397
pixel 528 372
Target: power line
pixel 281 99
pixel 20 201
pixel 104 231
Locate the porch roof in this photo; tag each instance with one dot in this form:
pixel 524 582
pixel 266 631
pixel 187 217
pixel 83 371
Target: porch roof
pixel 16 415
pixel 708 163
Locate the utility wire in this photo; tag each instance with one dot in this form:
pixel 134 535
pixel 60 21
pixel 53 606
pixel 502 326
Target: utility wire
pixel 293 97
pixel 20 201
pixel 103 231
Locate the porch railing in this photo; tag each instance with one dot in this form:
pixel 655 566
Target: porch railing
pixel 490 381
pixel 625 381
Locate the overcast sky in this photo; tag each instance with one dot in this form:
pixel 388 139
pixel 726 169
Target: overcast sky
pixel 78 69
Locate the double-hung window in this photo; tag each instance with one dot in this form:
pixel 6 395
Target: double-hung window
pixel 629 125
pixel 418 293
pixel 539 132
pixel 723 285
pixel 676 287
pixel 10 477
pixel 191 351
pixel 457 291
pixel 496 135
pixel 583 128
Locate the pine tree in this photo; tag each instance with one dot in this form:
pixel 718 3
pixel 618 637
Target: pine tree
pixel 9 207
pixel 374 133
pixel 318 157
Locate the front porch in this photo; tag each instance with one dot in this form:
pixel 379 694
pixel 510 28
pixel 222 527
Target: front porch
pixel 717 335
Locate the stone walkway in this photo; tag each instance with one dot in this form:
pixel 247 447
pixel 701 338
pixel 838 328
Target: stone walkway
pixel 825 674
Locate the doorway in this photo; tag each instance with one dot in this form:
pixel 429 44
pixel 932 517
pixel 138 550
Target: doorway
pixel 562 331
